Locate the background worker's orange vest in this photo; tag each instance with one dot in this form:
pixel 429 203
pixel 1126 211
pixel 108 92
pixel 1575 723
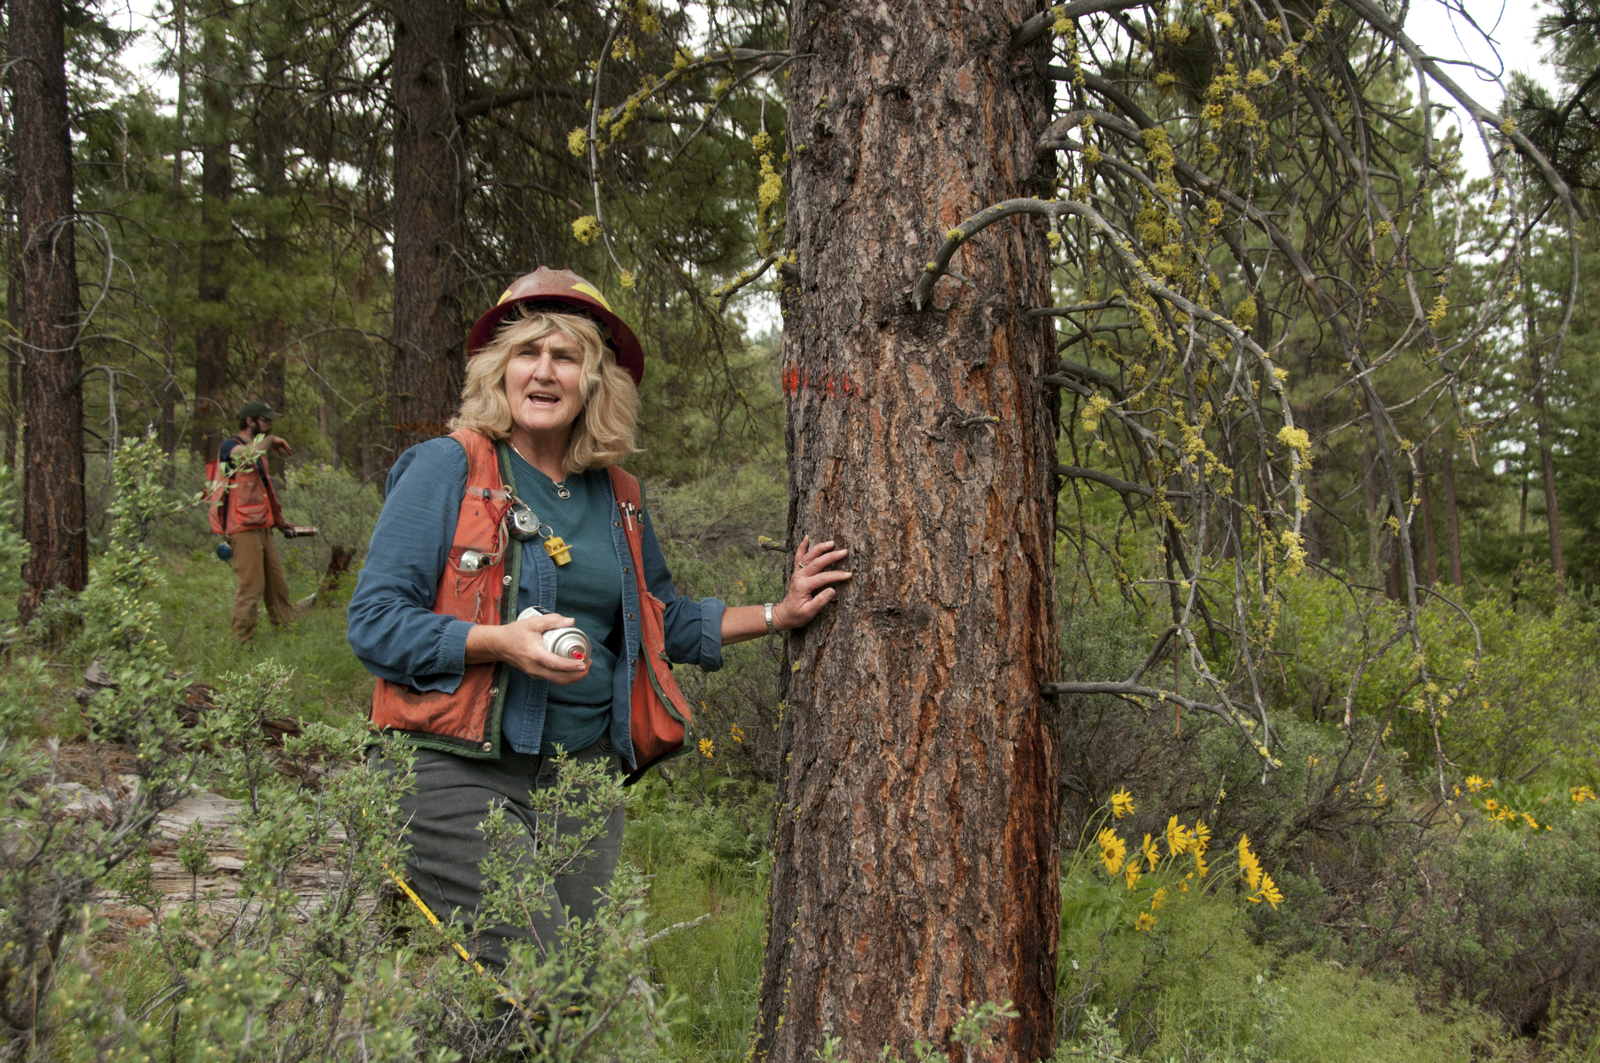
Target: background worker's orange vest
pixel 244 501
pixel 462 718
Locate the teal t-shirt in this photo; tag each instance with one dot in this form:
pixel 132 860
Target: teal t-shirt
pixel 588 589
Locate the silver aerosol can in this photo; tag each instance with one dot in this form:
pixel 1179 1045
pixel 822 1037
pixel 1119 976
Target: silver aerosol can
pixel 566 642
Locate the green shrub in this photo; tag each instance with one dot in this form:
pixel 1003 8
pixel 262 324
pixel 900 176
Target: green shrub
pixel 1197 987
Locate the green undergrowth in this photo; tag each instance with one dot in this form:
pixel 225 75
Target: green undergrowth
pixel 1198 986
pixel 709 861
pixel 196 603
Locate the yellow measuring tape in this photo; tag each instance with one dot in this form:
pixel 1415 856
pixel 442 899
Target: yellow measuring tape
pixel 505 991
pixel 405 887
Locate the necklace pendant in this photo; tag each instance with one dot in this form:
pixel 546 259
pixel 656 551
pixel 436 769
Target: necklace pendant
pixel 558 550
pixel 561 489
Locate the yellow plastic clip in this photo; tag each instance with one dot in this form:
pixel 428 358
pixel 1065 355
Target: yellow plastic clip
pixel 558 550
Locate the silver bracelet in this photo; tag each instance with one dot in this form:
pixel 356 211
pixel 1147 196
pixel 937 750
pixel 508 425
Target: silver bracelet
pixel 772 628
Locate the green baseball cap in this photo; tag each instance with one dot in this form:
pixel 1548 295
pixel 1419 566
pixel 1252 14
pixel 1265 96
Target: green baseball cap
pixel 258 408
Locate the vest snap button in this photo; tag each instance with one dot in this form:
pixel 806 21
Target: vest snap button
pixel 488 747
pixel 630 616
pixel 506 581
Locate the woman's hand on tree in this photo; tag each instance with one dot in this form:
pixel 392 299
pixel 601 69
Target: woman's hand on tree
pixel 521 645
pixel 812 585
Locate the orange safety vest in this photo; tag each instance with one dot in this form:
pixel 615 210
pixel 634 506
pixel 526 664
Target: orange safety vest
pixel 244 501
pixel 463 719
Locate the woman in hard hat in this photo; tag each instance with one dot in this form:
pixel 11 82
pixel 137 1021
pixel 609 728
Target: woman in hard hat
pixel 547 410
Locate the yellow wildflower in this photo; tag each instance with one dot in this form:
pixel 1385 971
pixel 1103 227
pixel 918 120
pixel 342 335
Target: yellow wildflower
pixel 708 748
pixel 1268 892
pixel 1146 922
pixel 1178 837
pixel 1151 854
pixel 1121 803
pixel 1131 874
pixel 1112 851
pixel 1202 838
pixel 737 734
pixel 1159 899
pixel 1249 864
pixel 1580 794
pixel 1477 782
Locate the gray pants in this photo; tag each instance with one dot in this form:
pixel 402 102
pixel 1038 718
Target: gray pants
pixel 452 796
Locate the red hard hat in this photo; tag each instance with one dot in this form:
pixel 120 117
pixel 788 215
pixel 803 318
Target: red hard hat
pixel 546 285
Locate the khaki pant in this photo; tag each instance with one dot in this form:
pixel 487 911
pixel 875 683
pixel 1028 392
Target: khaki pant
pixel 256 563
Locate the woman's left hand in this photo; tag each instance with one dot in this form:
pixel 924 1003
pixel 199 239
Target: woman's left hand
pixel 812 585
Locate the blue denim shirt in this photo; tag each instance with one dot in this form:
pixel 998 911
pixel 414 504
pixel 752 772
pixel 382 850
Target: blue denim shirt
pixel 396 634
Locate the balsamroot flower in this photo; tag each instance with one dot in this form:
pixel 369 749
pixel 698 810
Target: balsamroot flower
pixel 1113 850
pixel 1178 837
pixel 1260 884
pixel 1122 804
pixel 708 748
pixel 1146 922
pixel 1151 853
pixel 1249 864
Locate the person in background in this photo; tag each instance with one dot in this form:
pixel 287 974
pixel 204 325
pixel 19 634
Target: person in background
pixel 252 512
pixel 548 407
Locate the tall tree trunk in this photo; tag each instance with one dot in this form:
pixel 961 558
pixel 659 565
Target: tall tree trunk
pixel 1547 468
pixel 1541 421
pixel 52 388
pixel 1522 530
pixel 915 853
pixel 170 392
pixel 211 416
pixel 428 330
pixel 13 315
pixel 272 126
pixel 1430 545
pixel 1375 528
pixel 1452 515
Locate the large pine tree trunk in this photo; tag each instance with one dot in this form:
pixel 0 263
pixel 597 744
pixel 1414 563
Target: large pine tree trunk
pixel 1430 543
pixel 1451 514
pixel 52 389
pixel 1541 421
pixel 915 845
pixel 429 332
pixel 1547 471
pixel 212 418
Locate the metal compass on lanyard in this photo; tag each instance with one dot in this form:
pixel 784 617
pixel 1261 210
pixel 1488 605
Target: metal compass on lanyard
pixel 524 525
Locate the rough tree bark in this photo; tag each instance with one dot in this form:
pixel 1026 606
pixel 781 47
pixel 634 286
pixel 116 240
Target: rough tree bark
pixel 170 391
pixel 1541 421
pixel 212 418
pixel 1547 467
pixel 1451 514
pixel 915 842
pixel 52 388
pixel 1430 544
pixel 428 328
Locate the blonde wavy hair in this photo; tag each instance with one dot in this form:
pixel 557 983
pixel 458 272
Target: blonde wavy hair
pixel 605 430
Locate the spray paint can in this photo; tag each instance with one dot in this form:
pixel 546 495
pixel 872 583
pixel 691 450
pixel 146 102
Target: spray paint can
pixel 566 642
